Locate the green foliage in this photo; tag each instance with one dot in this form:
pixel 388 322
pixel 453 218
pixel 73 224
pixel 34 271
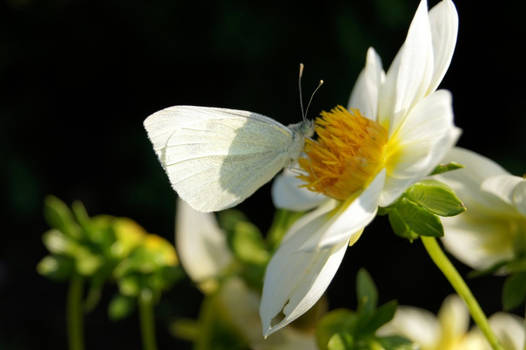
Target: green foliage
pixel 410 220
pixel 340 341
pixel 514 291
pixel 335 322
pixel 489 270
pixel 247 246
pixel 56 267
pixel 395 342
pixel 121 307
pixel 58 216
pixel 379 317
pixel 416 213
pixel 366 292
pixel 152 266
pixel 348 330
pixel 283 220
pixel 399 225
pixel 102 248
pixel 216 330
pixel 510 266
pixel 436 197
pixel 443 168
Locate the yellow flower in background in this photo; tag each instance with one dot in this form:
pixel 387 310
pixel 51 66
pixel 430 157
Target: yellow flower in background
pixel 128 234
pixel 396 129
pixel 205 255
pixel 493 229
pixel 450 330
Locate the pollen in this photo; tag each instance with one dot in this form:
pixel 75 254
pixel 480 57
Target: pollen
pixel 347 154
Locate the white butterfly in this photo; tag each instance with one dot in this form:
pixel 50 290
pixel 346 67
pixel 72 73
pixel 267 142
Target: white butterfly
pixel 215 158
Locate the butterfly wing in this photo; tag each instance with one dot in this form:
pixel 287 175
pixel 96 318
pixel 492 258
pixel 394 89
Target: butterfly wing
pixel 214 157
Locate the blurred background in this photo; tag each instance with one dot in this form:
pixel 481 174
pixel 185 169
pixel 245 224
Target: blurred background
pixel 77 79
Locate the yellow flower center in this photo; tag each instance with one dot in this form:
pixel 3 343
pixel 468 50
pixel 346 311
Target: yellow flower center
pixel 348 153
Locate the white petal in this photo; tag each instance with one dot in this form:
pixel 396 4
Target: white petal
pixel 425 137
pixel 418 325
pixel 364 95
pixel 350 218
pixel 443 19
pixel 453 317
pixel 509 329
pixel 408 78
pixel 519 197
pixel 201 245
pixel 502 186
pixel 241 304
pixel 287 193
pixel 424 127
pixel 476 165
pixel 475 340
pixel 295 279
pixel 467 182
pixel 478 239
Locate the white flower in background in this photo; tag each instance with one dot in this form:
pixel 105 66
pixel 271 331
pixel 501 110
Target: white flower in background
pixel 494 224
pixel 449 331
pixel 204 254
pixel 396 130
pixel 201 246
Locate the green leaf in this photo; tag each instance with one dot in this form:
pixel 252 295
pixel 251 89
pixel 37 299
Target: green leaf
pixel 58 216
pixel 436 197
pixel 56 267
pixel 399 226
pixel 340 341
pixel 442 168
pixel 489 270
pixel 95 288
pixel 129 285
pixel 395 342
pixel 514 291
pixel 120 307
pixel 419 220
pixel 383 211
pixel 366 292
pixel 87 263
pixel 80 213
pixel 217 329
pixel 253 275
pixel 516 265
pixel 100 232
pixel 381 316
pixel 247 243
pixel 229 218
pixel 186 329
pixel 334 322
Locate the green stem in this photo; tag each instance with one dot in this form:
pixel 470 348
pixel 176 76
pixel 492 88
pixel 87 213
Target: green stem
pixel 74 313
pixel 524 347
pixel 452 275
pixel 147 320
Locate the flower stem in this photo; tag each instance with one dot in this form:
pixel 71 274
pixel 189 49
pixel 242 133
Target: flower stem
pixel 452 275
pixel 147 320
pixel 74 313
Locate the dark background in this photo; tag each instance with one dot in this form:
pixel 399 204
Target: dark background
pixel 77 78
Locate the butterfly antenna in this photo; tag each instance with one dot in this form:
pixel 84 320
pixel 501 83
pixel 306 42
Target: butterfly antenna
pixel 312 96
pixel 299 89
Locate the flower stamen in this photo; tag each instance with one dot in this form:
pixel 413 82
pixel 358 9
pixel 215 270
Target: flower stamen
pixel 348 153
